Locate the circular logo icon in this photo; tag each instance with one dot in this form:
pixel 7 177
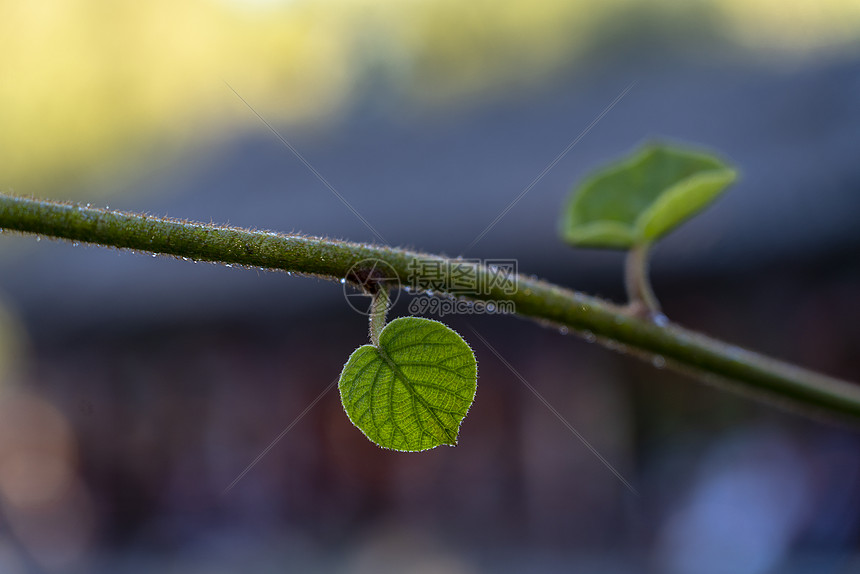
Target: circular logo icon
pixel 367 273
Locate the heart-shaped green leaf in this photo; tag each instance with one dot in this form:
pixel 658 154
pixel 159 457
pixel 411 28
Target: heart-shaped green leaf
pixel 641 198
pixel 412 391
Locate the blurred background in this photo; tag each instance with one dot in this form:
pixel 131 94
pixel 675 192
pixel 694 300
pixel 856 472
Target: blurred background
pixel 135 389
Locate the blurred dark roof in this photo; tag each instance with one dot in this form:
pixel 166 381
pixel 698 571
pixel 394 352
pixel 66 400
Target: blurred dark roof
pixel 435 179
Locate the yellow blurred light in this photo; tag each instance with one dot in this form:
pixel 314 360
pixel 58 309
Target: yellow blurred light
pixel 92 85
pixel 90 90
pixel 794 27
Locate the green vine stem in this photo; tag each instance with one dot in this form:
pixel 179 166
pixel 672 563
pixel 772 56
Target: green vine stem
pixel 378 313
pixel 547 303
pixel 641 298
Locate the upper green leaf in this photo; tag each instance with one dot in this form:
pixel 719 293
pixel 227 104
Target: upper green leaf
pixel 412 391
pixel 642 197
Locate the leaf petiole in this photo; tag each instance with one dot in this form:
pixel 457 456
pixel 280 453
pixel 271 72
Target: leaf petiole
pixel 641 299
pixel 378 312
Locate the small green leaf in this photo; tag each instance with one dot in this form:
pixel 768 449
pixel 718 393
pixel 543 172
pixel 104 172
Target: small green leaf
pixel 641 198
pixel 412 391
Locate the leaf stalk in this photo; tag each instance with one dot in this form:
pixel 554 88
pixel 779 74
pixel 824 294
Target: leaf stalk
pixel 378 312
pixel 641 299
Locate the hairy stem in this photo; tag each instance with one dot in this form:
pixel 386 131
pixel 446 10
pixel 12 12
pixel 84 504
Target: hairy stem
pixel 378 312
pixel 612 325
